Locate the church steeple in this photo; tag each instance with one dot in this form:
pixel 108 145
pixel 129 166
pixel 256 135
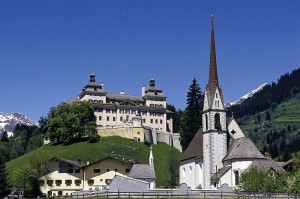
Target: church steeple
pixel 213 72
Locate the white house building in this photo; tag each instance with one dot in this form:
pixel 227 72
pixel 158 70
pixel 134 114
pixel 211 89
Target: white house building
pixel 219 151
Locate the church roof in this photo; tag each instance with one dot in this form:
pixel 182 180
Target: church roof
pixel 142 171
pixel 220 173
pixel 266 165
pixel 195 148
pixel 243 148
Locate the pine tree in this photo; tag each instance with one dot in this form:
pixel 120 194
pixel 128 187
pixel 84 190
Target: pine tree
pixel 193 112
pixel 5 187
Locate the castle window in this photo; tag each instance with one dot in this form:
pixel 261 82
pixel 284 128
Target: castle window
pixel 217 121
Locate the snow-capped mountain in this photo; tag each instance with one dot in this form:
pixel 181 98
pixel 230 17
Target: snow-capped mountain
pixel 8 122
pixel 246 96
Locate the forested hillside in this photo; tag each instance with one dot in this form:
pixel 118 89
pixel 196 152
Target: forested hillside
pixel 287 86
pixel 271 118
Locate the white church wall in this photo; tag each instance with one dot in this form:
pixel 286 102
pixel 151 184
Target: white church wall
pixel 190 172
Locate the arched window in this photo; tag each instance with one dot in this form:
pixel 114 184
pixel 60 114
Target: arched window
pixel 217 121
pixel 236 177
pixel 206 122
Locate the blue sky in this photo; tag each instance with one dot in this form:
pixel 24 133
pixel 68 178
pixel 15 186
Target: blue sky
pixel 48 48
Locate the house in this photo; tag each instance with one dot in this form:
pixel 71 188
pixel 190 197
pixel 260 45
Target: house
pixel 66 176
pixel 219 151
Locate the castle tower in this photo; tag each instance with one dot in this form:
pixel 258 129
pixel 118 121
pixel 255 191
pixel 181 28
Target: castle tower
pixel 214 121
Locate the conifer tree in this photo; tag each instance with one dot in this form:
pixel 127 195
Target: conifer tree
pixel 193 112
pixel 5 187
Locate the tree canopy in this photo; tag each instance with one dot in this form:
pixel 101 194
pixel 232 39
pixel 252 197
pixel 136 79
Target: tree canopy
pixel 5 187
pixel 69 122
pixel 192 119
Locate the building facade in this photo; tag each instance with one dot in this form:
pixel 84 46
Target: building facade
pixel 118 110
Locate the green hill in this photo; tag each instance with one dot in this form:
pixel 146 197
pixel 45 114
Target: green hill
pixel 281 135
pixel 118 147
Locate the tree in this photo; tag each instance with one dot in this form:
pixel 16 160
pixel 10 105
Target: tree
pixel 268 117
pixel 22 179
pixel 193 112
pixel 69 122
pixel 4 137
pixel 5 187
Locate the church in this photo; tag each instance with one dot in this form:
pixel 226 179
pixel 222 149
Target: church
pixel 219 151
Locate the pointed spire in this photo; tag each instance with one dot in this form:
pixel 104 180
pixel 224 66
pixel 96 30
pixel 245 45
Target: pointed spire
pixel 213 72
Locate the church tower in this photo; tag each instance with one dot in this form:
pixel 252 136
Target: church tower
pixel 214 121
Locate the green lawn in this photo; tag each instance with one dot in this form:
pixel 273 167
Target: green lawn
pixel 114 146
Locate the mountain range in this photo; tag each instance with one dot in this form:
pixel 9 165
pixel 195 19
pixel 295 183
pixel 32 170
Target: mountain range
pixel 8 122
pixel 248 95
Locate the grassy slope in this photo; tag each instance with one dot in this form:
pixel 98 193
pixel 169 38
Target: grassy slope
pixel 110 146
pixel 286 113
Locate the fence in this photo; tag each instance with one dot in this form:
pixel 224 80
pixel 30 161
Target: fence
pixel 191 194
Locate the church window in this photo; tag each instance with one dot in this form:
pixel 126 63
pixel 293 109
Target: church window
pixel 151 121
pixel 121 119
pixel 155 121
pixel 144 120
pixel 217 121
pixel 236 177
pixel 100 118
pixel 183 172
pixel 216 95
pixel 161 121
pixel 190 170
pixel 107 118
pixel 114 118
pixel 233 132
pixel 206 122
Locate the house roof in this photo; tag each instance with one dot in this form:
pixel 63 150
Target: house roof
pixel 108 158
pixel 266 165
pixel 72 162
pixel 242 148
pixel 195 148
pixel 142 171
pixel 220 173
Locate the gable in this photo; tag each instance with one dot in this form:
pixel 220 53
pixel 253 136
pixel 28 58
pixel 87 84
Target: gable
pixel 234 129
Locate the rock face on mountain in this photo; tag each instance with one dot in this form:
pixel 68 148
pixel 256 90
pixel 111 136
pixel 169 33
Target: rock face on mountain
pixel 248 95
pixel 8 122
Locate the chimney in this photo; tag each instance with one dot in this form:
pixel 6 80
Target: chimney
pixel 122 92
pixel 143 90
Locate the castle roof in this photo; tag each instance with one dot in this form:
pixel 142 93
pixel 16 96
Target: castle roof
pixel 243 148
pixel 120 97
pixel 195 148
pixel 142 171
